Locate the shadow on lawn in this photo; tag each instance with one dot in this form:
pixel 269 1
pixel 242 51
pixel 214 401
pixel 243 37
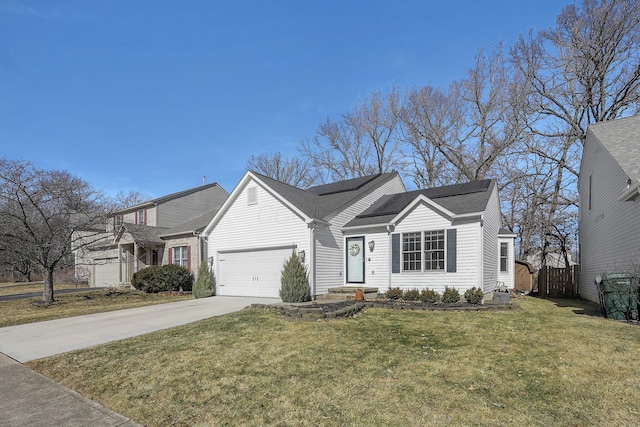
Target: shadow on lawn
pixel 579 306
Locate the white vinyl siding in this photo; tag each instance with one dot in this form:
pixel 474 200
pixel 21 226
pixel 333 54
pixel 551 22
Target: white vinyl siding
pixel 268 224
pixel 609 232
pixel 329 249
pixel 490 247
pixel 426 218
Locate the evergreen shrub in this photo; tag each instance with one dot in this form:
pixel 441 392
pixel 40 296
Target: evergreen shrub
pixel 411 295
pixel 294 283
pixel 430 296
pixel 204 285
pixel 162 278
pixel 394 293
pixel 474 295
pixel 450 295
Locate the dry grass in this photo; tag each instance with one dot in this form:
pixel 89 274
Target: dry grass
pixel 29 310
pixel 14 289
pixel 546 364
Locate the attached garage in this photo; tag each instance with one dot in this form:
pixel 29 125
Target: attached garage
pixel 253 273
pixel 106 272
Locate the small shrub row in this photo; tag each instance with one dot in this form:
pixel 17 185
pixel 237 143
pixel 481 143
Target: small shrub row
pixel 450 295
pixel 162 278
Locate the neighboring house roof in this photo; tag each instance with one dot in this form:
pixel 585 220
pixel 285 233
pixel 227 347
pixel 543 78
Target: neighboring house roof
pixel 195 225
pixel 470 197
pixel 167 198
pixel 503 232
pixel 621 139
pixel 526 264
pixel 142 234
pixel 317 202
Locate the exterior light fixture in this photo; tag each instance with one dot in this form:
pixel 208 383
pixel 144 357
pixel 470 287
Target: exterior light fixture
pixel 372 245
pixel 301 255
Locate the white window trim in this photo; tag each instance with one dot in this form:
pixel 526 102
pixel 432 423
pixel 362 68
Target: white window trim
pixel 180 256
pixel 422 252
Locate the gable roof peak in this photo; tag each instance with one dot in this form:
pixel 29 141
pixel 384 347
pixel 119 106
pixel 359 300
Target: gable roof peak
pixel 170 197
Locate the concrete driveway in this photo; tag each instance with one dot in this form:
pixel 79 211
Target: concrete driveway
pixel 44 339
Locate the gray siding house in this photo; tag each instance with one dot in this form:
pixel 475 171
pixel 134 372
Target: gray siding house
pixel 161 231
pixel 609 187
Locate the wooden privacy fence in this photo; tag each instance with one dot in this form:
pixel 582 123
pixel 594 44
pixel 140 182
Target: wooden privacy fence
pixel 558 282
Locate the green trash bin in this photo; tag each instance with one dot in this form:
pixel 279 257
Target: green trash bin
pixel 619 295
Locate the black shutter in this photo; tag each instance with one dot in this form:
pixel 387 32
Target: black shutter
pixel 451 250
pixel 395 253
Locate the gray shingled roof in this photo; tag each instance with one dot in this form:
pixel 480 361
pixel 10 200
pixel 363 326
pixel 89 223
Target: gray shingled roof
pixel 319 201
pixel 621 138
pixel 464 198
pixel 196 224
pixel 145 234
pixel 169 197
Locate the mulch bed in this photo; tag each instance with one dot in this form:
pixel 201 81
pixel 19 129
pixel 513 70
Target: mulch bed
pixel 330 310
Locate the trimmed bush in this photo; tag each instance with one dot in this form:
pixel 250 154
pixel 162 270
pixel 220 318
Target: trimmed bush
pixel 162 278
pixel 204 286
pixel 474 295
pixel 294 284
pixel 411 295
pixel 430 296
pixel 450 295
pixel 394 293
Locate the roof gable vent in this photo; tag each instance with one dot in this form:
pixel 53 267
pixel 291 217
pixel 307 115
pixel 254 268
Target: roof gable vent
pixel 252 196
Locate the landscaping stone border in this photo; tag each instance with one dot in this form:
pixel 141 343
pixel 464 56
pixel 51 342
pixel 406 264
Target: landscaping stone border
pixel 314 311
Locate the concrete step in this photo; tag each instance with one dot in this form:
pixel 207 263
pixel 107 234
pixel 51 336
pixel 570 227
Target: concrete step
pixel 349 293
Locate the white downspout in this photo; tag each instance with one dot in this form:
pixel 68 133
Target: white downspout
pixel 482 248
pixel 312 260
pixel 390 252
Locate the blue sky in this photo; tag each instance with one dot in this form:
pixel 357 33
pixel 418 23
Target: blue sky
pixel 151 95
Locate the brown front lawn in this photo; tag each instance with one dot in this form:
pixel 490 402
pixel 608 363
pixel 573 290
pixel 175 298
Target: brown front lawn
pixel 547 364
pixel 30 310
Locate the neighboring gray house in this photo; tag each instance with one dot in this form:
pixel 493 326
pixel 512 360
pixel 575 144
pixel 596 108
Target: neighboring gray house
pixel 364 232
pixel 161 231
pixel 609 186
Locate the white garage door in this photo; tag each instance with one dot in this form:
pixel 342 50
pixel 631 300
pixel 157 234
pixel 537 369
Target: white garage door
pixel 106 272
pixel 252 273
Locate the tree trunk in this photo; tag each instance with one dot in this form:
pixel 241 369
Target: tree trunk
pixel 47 293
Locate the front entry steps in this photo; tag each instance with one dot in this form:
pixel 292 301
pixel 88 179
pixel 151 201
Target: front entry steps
pixel 348 293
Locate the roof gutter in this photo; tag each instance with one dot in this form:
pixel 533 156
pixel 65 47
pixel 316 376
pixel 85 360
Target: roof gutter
pixel 631 193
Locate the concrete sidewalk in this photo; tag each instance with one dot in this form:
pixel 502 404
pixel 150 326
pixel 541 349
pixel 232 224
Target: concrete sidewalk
pixel 30 399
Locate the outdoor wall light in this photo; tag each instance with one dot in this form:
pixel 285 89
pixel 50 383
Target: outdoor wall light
pixel 372 245
pixel 301 255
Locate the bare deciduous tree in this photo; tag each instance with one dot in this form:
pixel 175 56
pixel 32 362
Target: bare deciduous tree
pixel 41 212
pixel 460 133
pixel 584 70
pixel 294 171
pixel 128 199
pixel 362 142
